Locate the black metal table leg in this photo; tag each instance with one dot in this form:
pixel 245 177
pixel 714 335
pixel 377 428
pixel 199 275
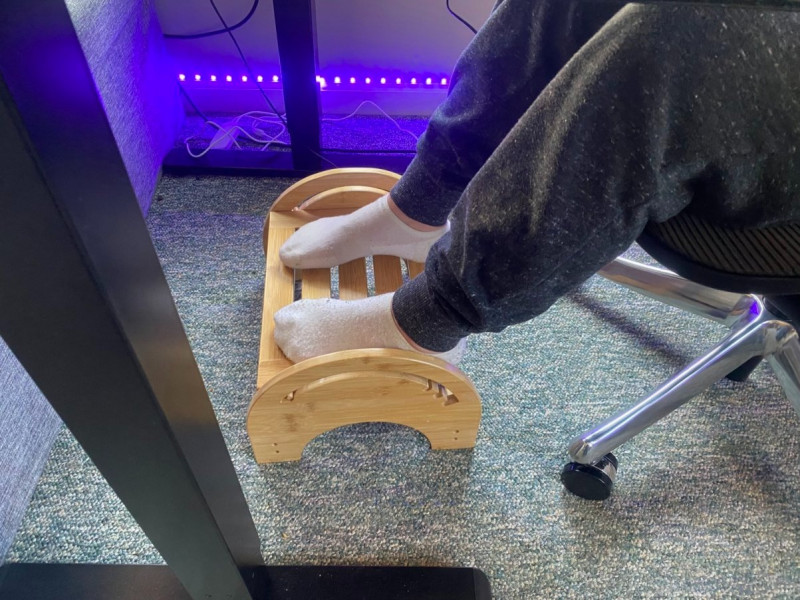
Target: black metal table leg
pixel 297 48
pixel 86 309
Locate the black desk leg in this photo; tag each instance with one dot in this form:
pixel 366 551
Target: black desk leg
pixel 86 309
pixel 297 47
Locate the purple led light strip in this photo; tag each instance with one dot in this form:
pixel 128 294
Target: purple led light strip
pixel 337 81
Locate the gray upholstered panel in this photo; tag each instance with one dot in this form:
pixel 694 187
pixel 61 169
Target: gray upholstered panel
pixel 28 426
pixel 123 43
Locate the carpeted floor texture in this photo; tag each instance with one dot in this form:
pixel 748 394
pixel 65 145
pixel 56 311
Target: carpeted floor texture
pixel 707 503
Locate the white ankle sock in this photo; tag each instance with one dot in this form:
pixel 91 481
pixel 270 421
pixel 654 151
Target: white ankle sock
pixel 309 328
pixel 371 230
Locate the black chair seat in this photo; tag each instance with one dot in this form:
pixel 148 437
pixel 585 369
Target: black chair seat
pixel 748 261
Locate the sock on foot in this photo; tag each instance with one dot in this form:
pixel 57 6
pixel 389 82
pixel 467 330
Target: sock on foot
pixel 371 230
pixel 309 328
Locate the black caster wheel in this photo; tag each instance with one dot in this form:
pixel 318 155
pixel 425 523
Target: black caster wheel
pixel 593 482
pixel 742 373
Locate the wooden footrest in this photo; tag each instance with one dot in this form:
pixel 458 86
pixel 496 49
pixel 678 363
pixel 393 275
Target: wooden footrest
pixel 296 402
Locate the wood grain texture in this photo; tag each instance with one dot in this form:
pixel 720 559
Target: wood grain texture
pixel 358 386
pixel 278 292
pixel 353 280
pixel 351 196
pixel 414 268
pixel 316 283
pixel 388 274
pixel 334 178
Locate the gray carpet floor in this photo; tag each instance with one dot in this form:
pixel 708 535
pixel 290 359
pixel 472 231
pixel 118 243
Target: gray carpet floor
pixel 706 504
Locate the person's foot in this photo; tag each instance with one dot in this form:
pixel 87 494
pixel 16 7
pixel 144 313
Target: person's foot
pixel 309 328
pixel 371 230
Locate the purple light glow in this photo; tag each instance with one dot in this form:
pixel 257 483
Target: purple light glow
pixel 362 82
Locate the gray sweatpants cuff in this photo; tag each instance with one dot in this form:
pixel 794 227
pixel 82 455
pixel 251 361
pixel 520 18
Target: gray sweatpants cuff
pixel 420 196
pixel 424 318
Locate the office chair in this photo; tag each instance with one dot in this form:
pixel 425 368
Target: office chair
pixel 748 279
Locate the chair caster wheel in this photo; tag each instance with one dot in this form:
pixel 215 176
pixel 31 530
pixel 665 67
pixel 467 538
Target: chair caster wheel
pixel 593 482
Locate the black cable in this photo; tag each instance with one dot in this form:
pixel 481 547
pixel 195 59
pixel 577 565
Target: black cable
pixel 255 80
pixel 195 36
pixel 247 64
pixel 194 106
pixel 471 28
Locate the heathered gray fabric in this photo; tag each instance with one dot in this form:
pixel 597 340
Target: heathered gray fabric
pixel 124 47
pixel 28 427
pixel 563 160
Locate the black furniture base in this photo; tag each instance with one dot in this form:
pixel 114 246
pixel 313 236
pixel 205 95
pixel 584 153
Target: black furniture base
pixel 126 582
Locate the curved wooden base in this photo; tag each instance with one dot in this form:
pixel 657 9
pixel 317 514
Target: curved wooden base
pixel 295 403
pixel 361 386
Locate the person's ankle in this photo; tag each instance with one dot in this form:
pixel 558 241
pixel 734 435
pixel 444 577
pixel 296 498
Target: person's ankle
pixel 413 223
pixel 414 345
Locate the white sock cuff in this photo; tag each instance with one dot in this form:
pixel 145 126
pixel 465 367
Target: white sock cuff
pixel 382 205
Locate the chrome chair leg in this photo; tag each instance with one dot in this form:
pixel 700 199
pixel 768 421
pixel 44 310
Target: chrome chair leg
pixel 786 364
pixel 669 288
pixel 735 349
pixel 757 333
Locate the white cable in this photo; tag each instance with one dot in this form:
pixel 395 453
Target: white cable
pixel 396 124
pixel 212 145
pixel 225 132
pixel 280 133
pixel 228 133
pixel 261 116
pixel 248 135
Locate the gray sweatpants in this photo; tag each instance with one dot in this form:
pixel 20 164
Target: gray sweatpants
pixel 570 125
